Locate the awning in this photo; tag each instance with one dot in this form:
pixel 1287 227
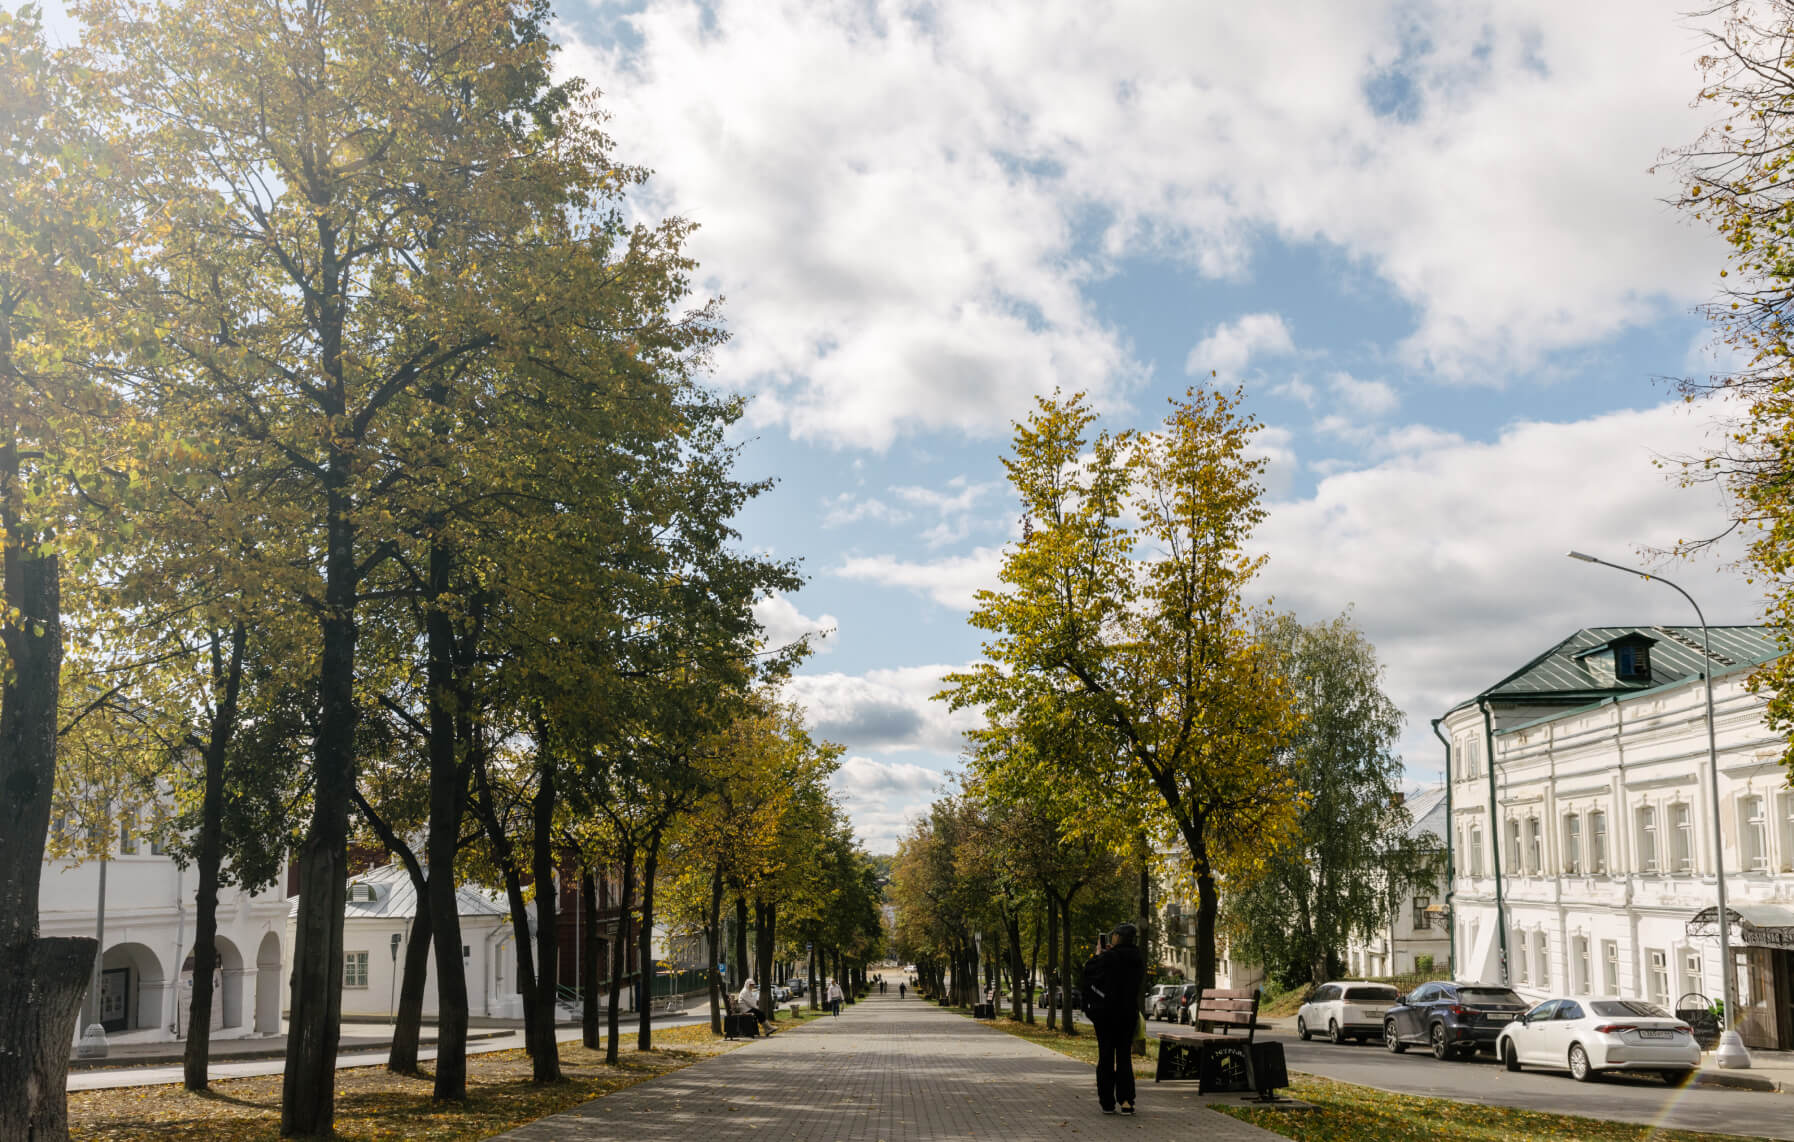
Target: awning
pixel 1753 925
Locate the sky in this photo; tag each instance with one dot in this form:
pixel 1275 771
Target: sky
pixel 1427 239
pixel 1425 236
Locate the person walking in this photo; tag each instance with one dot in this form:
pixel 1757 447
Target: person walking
pixel 1111 984
pixel 835 996
pixel 901 988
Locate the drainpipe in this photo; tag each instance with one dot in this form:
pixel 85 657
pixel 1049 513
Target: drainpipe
pixel 1495 834
pixel 1451 924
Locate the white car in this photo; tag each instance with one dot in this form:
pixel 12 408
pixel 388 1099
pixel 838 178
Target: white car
pixel 1158 997
pixel 1347 1009
pixel 1588 1036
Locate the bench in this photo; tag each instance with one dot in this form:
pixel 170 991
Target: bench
pixel 1218 1060
pixel 741 1026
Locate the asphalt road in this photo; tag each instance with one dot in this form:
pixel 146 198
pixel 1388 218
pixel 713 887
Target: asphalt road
pixel 1641 1099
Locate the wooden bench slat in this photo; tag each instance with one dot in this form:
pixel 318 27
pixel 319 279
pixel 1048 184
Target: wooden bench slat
pixel 1229 993
pixel 1240 1017
pixel 1228 1005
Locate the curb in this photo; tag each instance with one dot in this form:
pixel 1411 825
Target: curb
pixel 163 1059
pixel 1737 1082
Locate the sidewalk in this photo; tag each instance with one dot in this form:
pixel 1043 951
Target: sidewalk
pixel 887 1070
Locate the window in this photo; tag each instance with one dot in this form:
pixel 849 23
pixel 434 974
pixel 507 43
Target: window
pixel 361 894
pixel 1541 959
pixel 1579 964
pixel 1610 967
pixel 1691 972
pixel 1753 834
pixel 1520 958
pixel 1632 663
pixel 1787 831
pixel 1515 865
pixel 1470 752
pixel 127 832
pixel 1597 843
pixel 1422 922
pixel 1658 974
pixel 1568 1009
pixel 158 846
pixel 1476 850
pixel 1681 838
pixel 1647 840
pixel 1572 845
pixel 1535 846
pixel 355 969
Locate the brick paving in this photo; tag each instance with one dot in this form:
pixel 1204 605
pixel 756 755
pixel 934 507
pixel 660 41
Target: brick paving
pixel 885 1071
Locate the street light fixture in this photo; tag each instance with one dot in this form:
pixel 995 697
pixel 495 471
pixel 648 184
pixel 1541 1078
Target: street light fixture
pixel 1732 1054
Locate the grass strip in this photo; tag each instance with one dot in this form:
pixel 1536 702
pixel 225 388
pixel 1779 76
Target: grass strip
pixel 1348 1113
pixel 373 1105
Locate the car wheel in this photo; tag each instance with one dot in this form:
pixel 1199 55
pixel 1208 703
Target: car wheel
pixel 1392 1040
pixel 1302 1028
pixel 1509 1057
pixel 1333 1035
pixel 1580 1070
pixel 1441 1046
pixel 1678 1078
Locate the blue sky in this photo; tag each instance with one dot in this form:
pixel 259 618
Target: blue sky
pixel 1425 236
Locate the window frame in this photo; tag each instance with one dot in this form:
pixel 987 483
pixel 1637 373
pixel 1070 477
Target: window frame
pixel 1681 829
pixel 1597 850
pixel 355 969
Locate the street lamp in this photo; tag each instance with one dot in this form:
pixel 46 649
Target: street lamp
pixel 1732 1054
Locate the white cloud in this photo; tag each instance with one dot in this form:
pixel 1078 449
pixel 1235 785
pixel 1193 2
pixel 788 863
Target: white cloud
pixel 951 581
pixel 783 624
pixel 1366 398
pixel 895 199
pixel 883 710
pixel 884 798
pixel 847 508
pixel 1452 554
pixel 1232 346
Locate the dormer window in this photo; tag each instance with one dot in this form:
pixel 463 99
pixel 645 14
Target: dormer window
pixel 1632 663
pixel 361 894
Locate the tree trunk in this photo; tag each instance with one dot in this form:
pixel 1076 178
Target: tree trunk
pixel 714 930
pixel 1070 1023
pixel 545 1057
pixel 506 856
pixel 408 1021
pixel 765 917
pixel 1012 929
pixel 644 1029
pixel 227 677
pixel 308 1089
pixel 1207 906
pixel 450 729
pixel 1033 968
pixel 618 957
pixel 45 981
pixel 1055 985
pixel 813 982
pixel 740 963
pixel 590 1034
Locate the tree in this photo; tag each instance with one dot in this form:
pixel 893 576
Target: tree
pixel 1735 179
pixel 1338 878
pixel 1154 650
pixel 59 432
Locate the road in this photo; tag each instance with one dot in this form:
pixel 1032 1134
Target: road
pixel 1616 1098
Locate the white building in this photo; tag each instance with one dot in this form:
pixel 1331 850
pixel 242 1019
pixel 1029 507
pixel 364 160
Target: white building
pixel 146 969
pixel 1416 936
pixel 1584 855
pixel 377 919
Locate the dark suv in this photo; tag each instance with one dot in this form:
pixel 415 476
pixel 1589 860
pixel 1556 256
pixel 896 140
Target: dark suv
pixel 1454 1019
pixel 1186 1001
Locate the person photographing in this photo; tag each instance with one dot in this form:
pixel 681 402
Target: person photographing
pixel 1111 985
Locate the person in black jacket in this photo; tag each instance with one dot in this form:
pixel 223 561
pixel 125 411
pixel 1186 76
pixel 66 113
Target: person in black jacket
pixel 1112 982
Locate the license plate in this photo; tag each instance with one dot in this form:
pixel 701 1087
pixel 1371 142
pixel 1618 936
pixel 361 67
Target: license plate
pixel 1657 1034
pixel 1371 1012
pixel 1493 1018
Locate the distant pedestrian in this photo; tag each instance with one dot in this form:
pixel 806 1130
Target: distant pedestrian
pixel 901 988
pixel 835 997
pixel 881 987
pixel 1111 983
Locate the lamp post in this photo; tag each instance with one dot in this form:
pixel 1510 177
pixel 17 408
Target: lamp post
pixel 1732 1054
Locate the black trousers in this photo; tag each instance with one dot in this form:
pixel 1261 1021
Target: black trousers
pixel 1114 1063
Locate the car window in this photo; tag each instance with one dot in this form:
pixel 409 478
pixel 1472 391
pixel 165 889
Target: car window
pixel 1423 994
pixel 1620 1008
pixel 1325 994
pixel 1542 1011
pixel 1568 1009
pixel 1371 993
pixel 1489 995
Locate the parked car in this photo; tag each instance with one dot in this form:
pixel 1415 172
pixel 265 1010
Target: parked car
pixel 781 993
pixel 1588 1036
pixel 1186 1001
pixel 1160 1001
pixel 1348 1009
pixel 1454 1019
pixel 797 987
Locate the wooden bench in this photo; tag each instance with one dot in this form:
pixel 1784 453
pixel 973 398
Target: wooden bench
pixel 1218 1060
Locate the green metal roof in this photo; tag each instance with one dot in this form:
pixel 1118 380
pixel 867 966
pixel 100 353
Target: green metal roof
pixel 1558 676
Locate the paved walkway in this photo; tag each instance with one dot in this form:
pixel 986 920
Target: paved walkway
pixel 886 1071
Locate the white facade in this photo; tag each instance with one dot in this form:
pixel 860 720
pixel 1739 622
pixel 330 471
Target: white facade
pixel 377 922
pixel 1600 813
pixel 1417 934
pixel 146 982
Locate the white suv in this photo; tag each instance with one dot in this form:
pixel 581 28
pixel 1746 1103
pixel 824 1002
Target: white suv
pixel 1163 994
pixel 1347 1009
